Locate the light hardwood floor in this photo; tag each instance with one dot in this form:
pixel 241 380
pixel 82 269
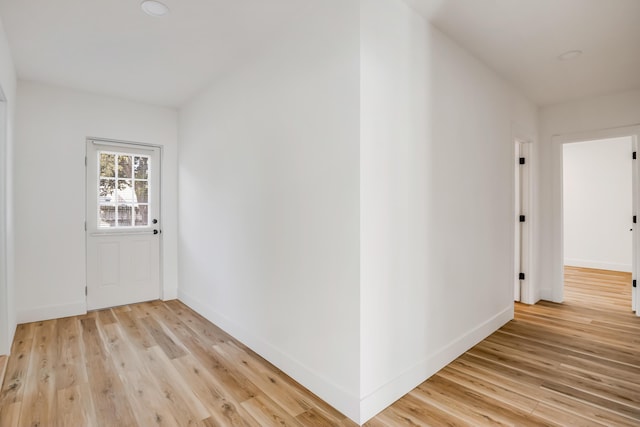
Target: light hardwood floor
pixel 158 363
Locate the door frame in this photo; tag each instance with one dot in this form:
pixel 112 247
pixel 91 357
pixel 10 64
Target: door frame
pixel 131 144
pixel 523 136
pixel 523 247
pixel 5 323
pixel 558 141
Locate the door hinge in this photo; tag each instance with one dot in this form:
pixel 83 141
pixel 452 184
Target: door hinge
pixel 634 283
pixel 85 226
pixel 521 276
pixel 85 160
pixel 635 219
pixel 522 218
pixel 522 160
pixel 634 155
pixel 86 291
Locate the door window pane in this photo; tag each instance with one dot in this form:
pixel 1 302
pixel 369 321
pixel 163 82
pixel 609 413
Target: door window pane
pixel 124 166
pixel 124 216
pixel 141 167
pixel 142 191
pixel 107 190
pixel 107 165
pixel 126 195
pixel 107 216
pixel 142 215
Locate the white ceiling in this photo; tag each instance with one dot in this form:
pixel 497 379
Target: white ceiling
pixel 112 47
pixel 521 40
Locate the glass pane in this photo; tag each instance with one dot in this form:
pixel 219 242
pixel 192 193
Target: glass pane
pixel 107 216
pixel 107 189
pixel 141 167
pixel 124 167
pixel 142 215
pixel 124 216
pixel 142 191
pixel 107 165
pixel 125 192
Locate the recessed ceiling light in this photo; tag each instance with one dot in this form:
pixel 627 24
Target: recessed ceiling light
pixel 570 54
pixel 154 8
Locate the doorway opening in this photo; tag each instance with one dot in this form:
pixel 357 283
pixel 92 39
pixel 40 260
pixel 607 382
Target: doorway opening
pixel 598 210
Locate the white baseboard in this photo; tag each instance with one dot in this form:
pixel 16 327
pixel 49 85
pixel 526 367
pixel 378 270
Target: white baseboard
pixel 37 314
pixel 342 400
pixel 600 265
pixel 387 394
pixel 169 294
pixel 359 410
pixel 546 294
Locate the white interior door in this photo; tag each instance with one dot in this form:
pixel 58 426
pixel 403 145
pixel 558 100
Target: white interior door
pixel 123 224
pixel 635 198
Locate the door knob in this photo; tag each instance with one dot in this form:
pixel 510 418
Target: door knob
pixel 155 231
pixel 155 221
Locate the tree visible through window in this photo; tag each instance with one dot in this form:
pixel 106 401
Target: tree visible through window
pixel 123 197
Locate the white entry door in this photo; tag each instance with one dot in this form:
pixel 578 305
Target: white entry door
pixel 123 224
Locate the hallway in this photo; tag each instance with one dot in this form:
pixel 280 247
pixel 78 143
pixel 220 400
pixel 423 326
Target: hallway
pixel 575 363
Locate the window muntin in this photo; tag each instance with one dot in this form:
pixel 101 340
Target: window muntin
pixel 123 193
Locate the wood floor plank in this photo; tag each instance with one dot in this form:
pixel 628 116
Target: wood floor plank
pixel 314 418
pixel 16 375
pixel 166 343
pixel 224 409
pixel 268 413
pixel 3 367
pixel 186 407
pixel 525 383
pixel 201 346
pixel 504 395
pixel 137 333
pixel 486 405
pixel 107 391
pixel 149 404
pixel 74 406
pixel 412 411
pixel 161 364
pixel 40 398
pixel 70 369
pixel 556 416
pixel 11 415
pixel 265 379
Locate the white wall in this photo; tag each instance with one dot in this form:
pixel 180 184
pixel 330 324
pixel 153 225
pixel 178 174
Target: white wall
pixel 7 110
pixel 52 125
pixel 593 118
pixel 269 212
pixel 597 204
pixel 437 200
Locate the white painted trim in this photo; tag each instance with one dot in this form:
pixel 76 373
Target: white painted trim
pixel 556 292
pixel 48 312
pixel 342 400
pixel 530 289
pixel 613 266
pixel 393 390
pixel 5 324
pixel 546 294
